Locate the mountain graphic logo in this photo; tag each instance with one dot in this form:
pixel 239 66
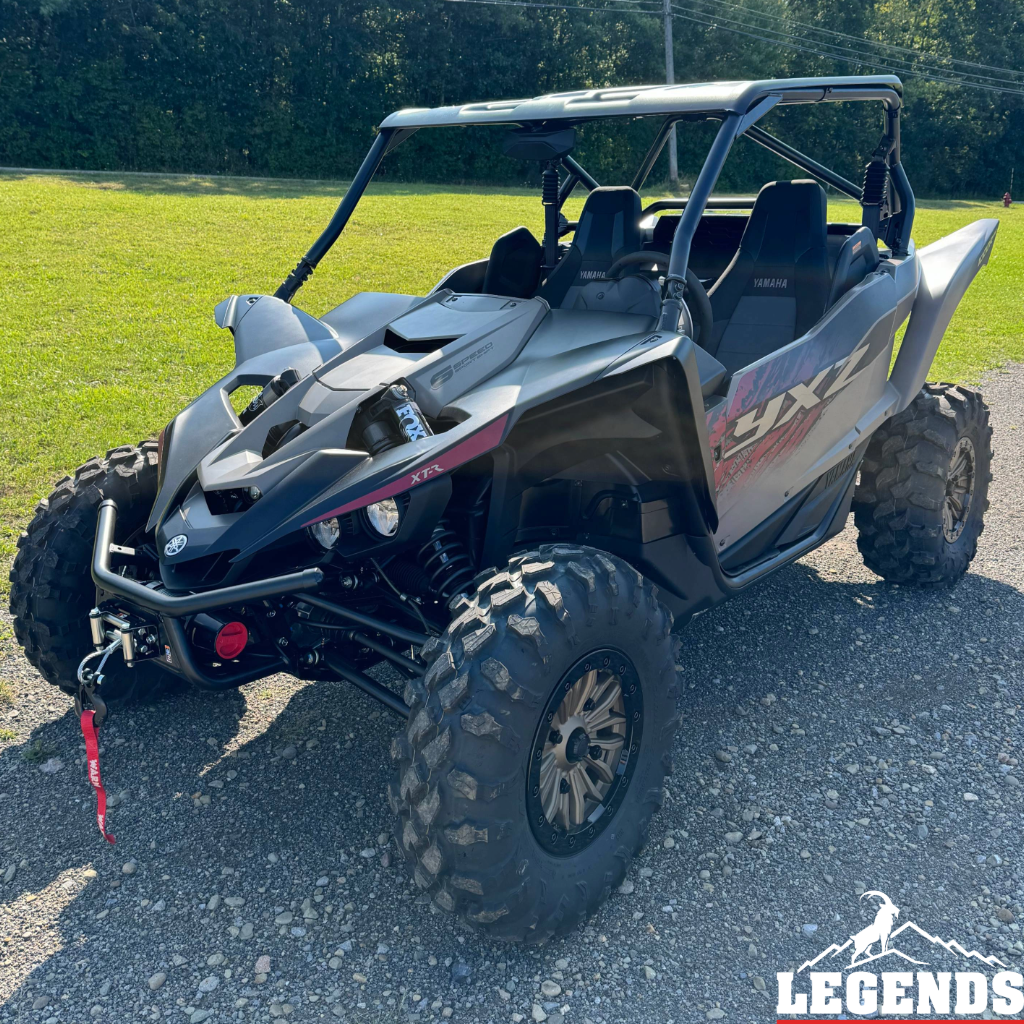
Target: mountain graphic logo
pixel 876 942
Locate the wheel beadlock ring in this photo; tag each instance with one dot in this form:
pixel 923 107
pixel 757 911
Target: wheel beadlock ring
pixel 956 508
pixel 553 836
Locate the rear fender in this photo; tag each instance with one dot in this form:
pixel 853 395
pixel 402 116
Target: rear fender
pixel 948 267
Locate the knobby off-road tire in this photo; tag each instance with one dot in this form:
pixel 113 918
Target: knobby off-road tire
pixel 462 791
pixel 52 589
pixel 923 491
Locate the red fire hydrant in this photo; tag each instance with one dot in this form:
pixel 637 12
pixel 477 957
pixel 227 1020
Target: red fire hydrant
pixel 1006 199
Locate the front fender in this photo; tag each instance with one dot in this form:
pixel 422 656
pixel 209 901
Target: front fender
pixel 948 267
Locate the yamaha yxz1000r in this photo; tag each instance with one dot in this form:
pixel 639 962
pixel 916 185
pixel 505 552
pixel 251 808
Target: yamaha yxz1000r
pixel 507 488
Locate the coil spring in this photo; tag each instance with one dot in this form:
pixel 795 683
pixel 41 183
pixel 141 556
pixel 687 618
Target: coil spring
pixel 549 185
pixel 446 562
pixel 876 183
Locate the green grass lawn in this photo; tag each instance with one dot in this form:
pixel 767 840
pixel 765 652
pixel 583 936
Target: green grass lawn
pixel 108 283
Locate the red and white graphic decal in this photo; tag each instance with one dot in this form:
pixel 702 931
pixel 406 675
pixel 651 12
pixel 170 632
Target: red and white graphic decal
pixel 780 409
pixel 92 760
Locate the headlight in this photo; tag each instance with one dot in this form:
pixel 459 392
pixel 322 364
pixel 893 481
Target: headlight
pixel 383 516
pixel 325 533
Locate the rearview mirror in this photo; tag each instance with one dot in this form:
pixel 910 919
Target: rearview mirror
pixel 529 144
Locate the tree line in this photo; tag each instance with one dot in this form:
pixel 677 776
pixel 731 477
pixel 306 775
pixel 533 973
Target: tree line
pixel 295 88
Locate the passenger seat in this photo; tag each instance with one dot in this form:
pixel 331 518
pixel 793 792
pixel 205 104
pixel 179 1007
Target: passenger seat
pixel 514 266
pixel 778 282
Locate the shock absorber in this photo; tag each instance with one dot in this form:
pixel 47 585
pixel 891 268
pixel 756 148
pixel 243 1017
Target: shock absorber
pixel 445 560
pixel 875 191
pixel 549 200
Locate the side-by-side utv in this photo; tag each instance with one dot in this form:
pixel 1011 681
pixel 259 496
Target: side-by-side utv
pixel 507 488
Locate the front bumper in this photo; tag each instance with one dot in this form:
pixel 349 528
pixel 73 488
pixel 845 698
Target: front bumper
pixel 171 608
pixel 177 606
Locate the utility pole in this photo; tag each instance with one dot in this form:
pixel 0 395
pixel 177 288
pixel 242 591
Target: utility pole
pixel 670 78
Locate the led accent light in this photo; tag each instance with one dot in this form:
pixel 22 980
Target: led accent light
pixel 326 533
pixel 383 516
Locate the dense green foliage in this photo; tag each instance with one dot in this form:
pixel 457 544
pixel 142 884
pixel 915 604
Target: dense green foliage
pixel 296 88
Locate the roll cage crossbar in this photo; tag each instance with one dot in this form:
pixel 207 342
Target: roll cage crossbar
pixel 888 204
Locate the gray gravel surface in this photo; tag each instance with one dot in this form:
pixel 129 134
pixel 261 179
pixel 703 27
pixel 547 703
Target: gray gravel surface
pixel 833 728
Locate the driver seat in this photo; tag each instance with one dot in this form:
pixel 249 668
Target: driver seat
pixel 608 229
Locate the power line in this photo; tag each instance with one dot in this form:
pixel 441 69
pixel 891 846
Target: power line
pixel 799 43
pixel 861 40
pixel 784 39
pixel 902 61
pixel 565 7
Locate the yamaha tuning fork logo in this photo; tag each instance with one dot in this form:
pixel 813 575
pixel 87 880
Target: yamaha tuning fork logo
pixel 888 967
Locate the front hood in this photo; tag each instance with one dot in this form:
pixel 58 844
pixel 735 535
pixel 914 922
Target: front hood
pixel 441 347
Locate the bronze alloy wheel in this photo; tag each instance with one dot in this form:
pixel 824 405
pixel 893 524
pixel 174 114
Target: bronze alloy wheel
pixel 584 751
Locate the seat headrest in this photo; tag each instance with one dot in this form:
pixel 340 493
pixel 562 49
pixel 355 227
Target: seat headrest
pixel 609 227
pixel 788 218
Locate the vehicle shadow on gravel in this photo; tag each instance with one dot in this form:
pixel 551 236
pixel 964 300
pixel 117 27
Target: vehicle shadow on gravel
pixel 254 795
pixel 198 808
pixel 59 804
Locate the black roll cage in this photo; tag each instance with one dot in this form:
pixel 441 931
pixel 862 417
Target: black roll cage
pixel 893 229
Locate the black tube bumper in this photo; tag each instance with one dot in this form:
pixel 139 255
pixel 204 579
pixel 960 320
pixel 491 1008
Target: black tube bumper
pixel 172 609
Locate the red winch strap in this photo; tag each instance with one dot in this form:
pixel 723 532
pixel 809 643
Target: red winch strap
pixel 92 760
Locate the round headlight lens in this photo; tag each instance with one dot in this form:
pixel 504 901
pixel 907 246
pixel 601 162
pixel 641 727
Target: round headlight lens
pixel 326 533
pixel 383 516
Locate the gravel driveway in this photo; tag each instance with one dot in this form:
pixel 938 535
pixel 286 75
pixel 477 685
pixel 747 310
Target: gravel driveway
pixel 838 734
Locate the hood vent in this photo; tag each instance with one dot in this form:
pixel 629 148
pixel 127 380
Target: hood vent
pixel 417 346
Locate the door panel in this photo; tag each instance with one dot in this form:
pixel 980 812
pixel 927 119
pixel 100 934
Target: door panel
pixel 793 414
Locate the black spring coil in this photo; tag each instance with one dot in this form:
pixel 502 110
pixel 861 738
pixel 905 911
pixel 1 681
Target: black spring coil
pixel 549 185
pixel 876 183
pixel 446 562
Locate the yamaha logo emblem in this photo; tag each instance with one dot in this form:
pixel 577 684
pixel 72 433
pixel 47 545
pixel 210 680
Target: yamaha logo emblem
pixel 175 545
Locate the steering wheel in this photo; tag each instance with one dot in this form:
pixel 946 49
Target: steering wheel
pixel 696 296
pixel 635 259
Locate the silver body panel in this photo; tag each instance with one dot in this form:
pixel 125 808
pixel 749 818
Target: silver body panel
pixel 792 415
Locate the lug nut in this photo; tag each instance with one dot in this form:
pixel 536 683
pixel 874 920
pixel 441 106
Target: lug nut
pixel 595 752
pixel 563 786
pixel 554 736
